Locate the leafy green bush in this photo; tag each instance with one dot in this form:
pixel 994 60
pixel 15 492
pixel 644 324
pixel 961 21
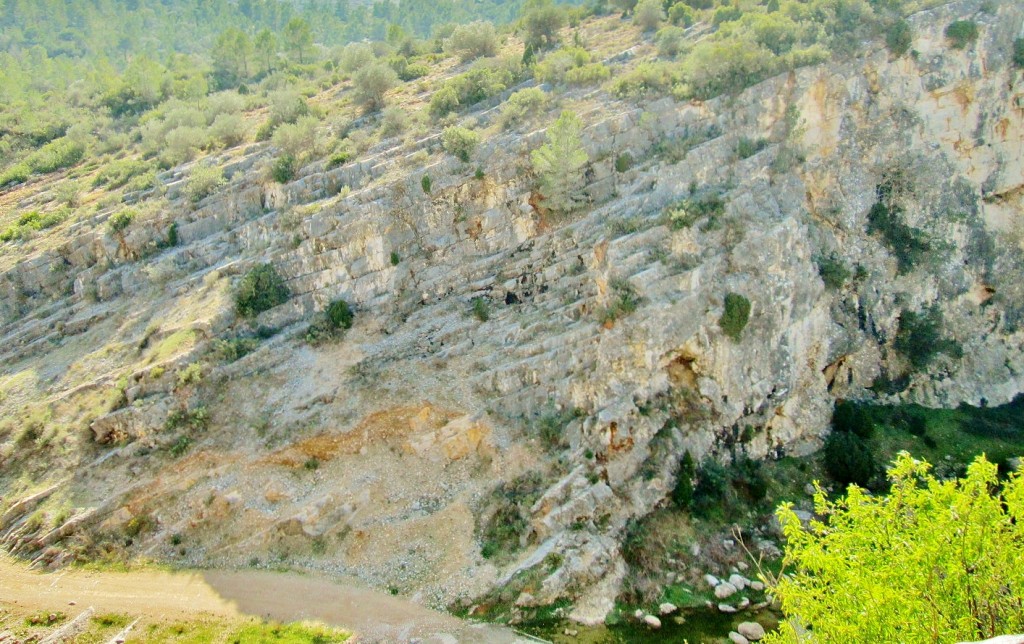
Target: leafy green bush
pixel 832 271
pixel 261 289
pixel 460 142
pixel 481 309
pixel 425 183
pixel 961 33
pixel 234 348
pixel 521 105
pixel 853 418
pixel 682 492
pixel 735 316
pixel 920 339
pixel 372 83
pixel 645 80
pixel 31 222
pixel 623 162
pixel 17 173
pixel 908 244
pixel 746 147
pixel 623 300
pixel 203 182
pixel 681 15
pixel 473 40
pixel 934 560
pixel 283 168
pixel 898 38
pixel 1018 52
pixel 120 220
pixel 560 162
pixel 712 488
pixel 331 323
pixel 61 153
pixel 118 173
pixel 648 14
pixel 670 40
pixel 849 459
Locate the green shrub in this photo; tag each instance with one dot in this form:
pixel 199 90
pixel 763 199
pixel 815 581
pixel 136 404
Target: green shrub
pixel 460 142
pixel 331 323
pixel 961 33
pixel 681 15
pixel 682 493
pixel 560 164
pixel 260 290
pixel 849 459
pixel 120 220
pixel 712 488
pixel 521 105
pixel 1018 52
pixel 623 162
pixel 898 38
pixel 853 418
pixel 670 40
pixel 481 309
pixel 648 14
pixel 234 348
pixel 395 259
pixel 589 74
pixel 425 183
pixel 340 157
pixel 735 316
pixel 623 300
pixel 920 339
pixel 17 173
pixel 746 147
pixel 471 41
pixel 197 419
pixel 118 173
pixel 908 244
pixel 203 182
pixel 832 271
pixel 687 212
pixel 646 80
pixel 61 153
pixel 283 168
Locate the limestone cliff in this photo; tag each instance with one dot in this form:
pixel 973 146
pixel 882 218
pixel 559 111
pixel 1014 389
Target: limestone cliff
pixel 376 455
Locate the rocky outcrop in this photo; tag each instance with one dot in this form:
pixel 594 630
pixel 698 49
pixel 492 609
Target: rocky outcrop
pixel 941 132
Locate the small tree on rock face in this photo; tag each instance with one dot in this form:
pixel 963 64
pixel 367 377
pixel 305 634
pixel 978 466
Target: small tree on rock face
pixel 560 163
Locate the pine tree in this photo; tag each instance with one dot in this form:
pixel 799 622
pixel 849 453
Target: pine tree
pixel 560 164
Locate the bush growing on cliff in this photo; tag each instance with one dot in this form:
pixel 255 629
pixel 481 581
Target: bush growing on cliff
pixel 920 339
pixel 1018 52
pixel 898 38
pixel 961 33
pixel 460 142
pixel 735 315
pixel 331 323
pixel 260 290
pixel 203 182
pixel 931 561
pixel 908 244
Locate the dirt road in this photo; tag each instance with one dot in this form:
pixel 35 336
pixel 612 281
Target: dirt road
pixel 156 594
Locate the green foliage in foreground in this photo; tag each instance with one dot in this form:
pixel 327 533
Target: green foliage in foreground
pixel 932 561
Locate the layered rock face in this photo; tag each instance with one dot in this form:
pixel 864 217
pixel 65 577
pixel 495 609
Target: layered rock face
pixel 375 455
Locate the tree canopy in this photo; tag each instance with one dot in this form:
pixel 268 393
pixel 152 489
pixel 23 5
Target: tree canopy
pixel 931 561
